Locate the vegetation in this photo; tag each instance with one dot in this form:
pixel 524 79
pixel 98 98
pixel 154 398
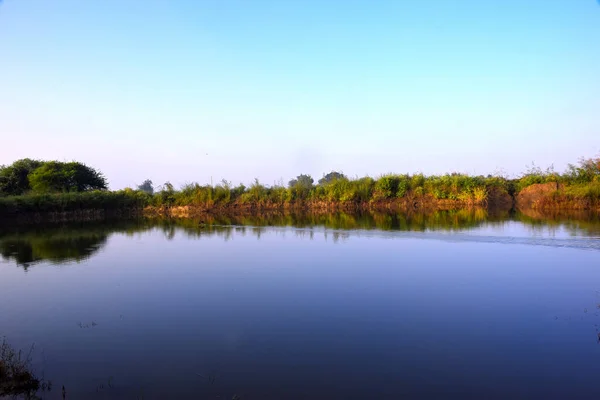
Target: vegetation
pixel 40 186
pixel 454 189
pixel 16 377
pixel 73 202
pixel 34 176
pixel 146 187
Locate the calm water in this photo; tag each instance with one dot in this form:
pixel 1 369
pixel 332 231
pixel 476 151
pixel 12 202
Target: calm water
pixel 449 305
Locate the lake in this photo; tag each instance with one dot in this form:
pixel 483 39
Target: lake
pixel 379 306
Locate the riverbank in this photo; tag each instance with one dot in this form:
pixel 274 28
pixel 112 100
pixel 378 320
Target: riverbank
pixel 576 189
pixel 93 206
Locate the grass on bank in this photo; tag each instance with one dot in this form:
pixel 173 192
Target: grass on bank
pixel 457 187
pixel 579 185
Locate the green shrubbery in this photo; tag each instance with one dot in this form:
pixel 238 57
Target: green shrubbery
pixel 59 202
pixel 34 176
pixel 581 180
pixel 52 186
pixel 586 172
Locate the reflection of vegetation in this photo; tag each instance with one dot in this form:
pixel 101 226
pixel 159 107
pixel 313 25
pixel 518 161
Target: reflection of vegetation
pixel 438 220
pixel 58 244
pixel 576 222
pixel 65 243
pixel 55 249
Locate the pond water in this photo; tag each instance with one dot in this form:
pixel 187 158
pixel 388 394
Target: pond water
pixel 439 306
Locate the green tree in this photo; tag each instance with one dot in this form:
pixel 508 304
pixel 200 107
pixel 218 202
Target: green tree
pixel 301 186
pixel 330 177
pixel 54 176
pixel 146 187
pixel 14 178
pixel 302 181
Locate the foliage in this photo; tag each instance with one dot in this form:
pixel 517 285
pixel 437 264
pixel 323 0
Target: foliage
pixel 16 377
pixel 587 171
pixel 54 186
pixel 301 187
pixel 54 176
pixel 28 175
pixel 14 179
pixel 146 187
pixel 60 202
pixel 330 177
pixel 166 196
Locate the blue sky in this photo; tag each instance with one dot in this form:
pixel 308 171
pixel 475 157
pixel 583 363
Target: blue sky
pixel 192 89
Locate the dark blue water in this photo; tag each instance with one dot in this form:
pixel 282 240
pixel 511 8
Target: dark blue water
pixel 503 310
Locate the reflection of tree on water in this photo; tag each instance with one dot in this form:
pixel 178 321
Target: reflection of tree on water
pixel 27 251
pixel 77 242
pixel 62 243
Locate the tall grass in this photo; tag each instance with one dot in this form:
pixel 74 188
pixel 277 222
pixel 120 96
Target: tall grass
pixel 581 181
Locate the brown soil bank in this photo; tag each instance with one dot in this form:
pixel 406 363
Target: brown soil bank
pixel 531 196
pixel 555 196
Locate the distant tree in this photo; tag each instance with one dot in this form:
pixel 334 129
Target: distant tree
pixel 301 186
pixel 147 187
pixel 166 196
pixel 54 176
pixel 302 181
pixel 330 177
pixel 14 178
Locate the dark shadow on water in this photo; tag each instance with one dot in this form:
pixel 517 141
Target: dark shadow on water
pixel 56 248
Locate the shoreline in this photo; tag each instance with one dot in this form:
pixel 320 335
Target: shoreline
pixel 94 206
pixel 253 211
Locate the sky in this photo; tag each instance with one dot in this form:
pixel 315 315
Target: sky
pixel 200 90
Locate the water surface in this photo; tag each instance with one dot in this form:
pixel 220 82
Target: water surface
pixel 336 307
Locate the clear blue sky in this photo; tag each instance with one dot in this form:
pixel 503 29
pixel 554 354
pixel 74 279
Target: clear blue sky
pixel 189 89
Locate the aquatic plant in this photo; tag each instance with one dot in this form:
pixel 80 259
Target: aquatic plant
pixel 16 376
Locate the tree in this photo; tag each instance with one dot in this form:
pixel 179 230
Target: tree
pixel 14 178
pixel 166 196
pixel 302 181
pixel 55 176
pixel 85 178
pixel 330 177
pixel 301 186
pixel 146 187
